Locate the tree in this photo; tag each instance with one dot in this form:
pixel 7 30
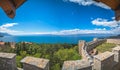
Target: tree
pixel 18 59
pixel 23 53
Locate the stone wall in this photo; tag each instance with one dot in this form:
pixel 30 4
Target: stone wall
pixel 81 44
pixel 93 44
pixel 115 41
pixel 85 48
pixel 77 65
pixel 32 63
pixel 103 61
pixel 83 51
pixel 116 52
pixel 8 62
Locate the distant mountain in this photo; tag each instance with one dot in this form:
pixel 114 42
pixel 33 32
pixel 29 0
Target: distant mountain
pixel 4 34
pixel 90 34
pixel 118 37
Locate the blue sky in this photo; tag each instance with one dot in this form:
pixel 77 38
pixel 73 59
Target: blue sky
pixel 60 17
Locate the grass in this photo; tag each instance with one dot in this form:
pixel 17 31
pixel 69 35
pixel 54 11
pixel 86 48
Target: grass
pixel 105 47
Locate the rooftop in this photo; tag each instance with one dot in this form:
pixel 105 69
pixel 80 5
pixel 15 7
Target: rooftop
pixel 2 43
pixel 39 62
pixel 7 55
pixel 111 3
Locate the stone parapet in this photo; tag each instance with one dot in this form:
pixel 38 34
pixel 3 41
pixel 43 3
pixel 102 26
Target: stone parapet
pixel 115 41
pixel 77 65
pixel 116 51
pixel 93 44
pixel 32 63
pixel 7 61
pixel 81 45
pixel 104 61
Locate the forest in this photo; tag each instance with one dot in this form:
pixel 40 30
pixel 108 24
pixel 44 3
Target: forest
pixel 56 53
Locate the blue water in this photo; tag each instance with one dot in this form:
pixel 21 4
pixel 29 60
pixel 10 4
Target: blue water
pixel 47 39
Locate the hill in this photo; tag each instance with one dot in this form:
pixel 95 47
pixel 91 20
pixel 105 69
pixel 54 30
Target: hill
pixel 4 34
pixel 117 37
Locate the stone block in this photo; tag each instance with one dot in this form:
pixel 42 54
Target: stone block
pixel 77 65
pixel 7 61
pixel 32 63
pixel 81 44
pixel 116 52
pixel 103 61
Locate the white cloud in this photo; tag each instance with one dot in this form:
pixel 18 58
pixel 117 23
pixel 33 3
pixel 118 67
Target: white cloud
pixel 5 28
pixel 73 31
pixel 113 24
pixel 8 25
pixel 89 2
pixel 113 18
pixel 84 31
pixel 98 21
pixel 105 22
pixel 100 29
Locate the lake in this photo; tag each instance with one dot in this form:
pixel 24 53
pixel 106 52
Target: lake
pixel 48 38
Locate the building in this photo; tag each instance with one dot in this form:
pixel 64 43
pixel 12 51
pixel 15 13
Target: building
pixel 2 43
pixel 10 6
pixel 114 5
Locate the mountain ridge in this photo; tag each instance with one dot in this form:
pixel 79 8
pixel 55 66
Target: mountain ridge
pixel 4 34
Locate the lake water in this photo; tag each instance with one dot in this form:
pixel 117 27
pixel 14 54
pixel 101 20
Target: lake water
pixel 48 39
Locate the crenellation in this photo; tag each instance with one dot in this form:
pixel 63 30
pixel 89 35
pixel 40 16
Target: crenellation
pixel 81 44
pixel 116 52
pixel 7 61
pixel 32 63
pixel 104 61
pixel 93 44
pixel 77 65
pixel 115 41
pixel 95 39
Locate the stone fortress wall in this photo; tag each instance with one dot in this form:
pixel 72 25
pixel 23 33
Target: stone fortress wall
pixel 8 62
pixel 116 41
pixel 104 61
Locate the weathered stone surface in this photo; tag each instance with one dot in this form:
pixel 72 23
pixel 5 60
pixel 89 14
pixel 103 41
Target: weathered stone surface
pixel 81 44
pixel 93 44
pixel 95 39
pixel 104 61
pixel 77 65
pixel 116 51
pixel 115 41
pixel 31 63
pixel 7 61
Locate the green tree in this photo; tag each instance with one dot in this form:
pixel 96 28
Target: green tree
pixel 18 59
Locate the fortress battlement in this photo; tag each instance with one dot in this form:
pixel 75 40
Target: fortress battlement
pixel 103 61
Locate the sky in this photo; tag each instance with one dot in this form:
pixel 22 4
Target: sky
pixel 60 17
